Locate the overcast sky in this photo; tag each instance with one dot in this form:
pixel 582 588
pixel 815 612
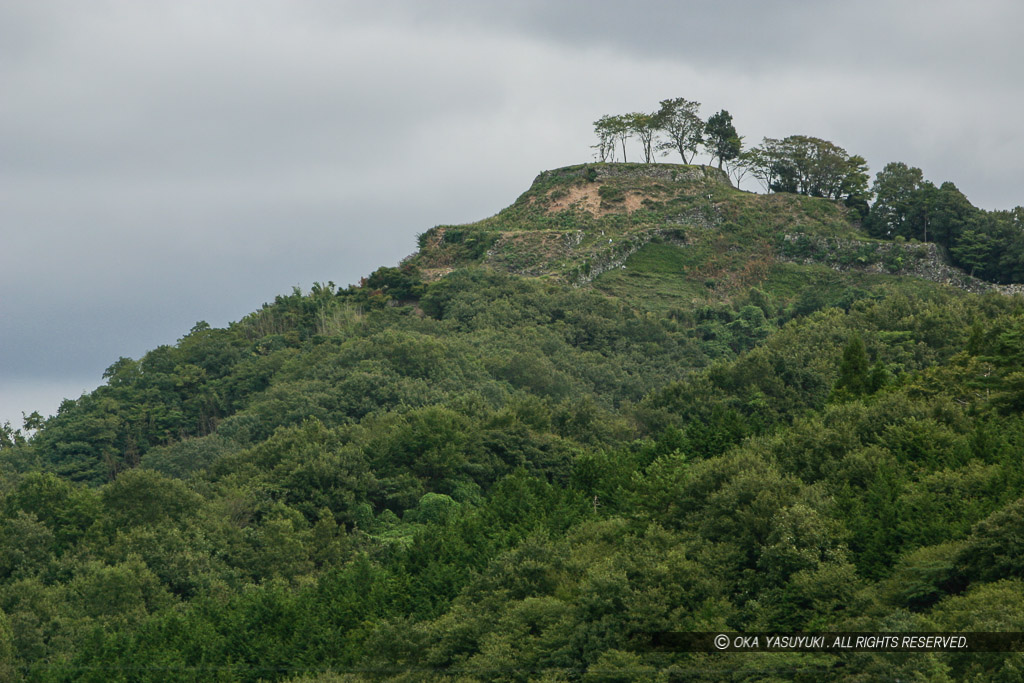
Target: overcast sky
pixel 170 161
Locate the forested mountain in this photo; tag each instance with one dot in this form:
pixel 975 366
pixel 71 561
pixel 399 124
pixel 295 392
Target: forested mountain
pixel 637 401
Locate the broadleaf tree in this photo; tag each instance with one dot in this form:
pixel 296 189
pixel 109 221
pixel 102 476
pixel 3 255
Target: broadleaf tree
pixel 606 130
pixel 682 126
pixel 644 127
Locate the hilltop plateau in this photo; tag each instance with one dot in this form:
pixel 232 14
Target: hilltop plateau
pixel 681 233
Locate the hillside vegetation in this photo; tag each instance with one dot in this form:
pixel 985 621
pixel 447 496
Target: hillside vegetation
pixel 577 222
pixel 637 401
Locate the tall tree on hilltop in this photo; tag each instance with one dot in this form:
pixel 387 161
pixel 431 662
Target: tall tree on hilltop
pixel 941 214
pixel 722 140
pixel 854 185
pixel 622 131
pixel 811 166
pixel 895 187
pixel 608 130
pixel 819 168
pixel 605 129
pixel 683 127
pixel 644 126
pixel 766 161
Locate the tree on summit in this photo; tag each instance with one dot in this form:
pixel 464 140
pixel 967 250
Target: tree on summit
pixel 645 127
pixel 811 166
pixel 895 186
pixel 610 129
pixel 605 128
pixel 683 127
pixel 677 119
pixel 722 141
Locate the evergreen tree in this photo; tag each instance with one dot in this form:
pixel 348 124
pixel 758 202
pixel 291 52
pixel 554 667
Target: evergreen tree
pixel 722 141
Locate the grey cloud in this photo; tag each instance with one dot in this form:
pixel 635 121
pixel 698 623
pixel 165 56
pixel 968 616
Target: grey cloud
pixel 754 35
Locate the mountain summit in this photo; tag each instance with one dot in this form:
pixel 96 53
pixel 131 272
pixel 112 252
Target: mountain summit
pixel 575 223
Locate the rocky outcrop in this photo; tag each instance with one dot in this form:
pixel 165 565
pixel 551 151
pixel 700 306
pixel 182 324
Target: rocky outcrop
pixel 924 260
pixel 617 253
pixel 546 252
pixel 661 172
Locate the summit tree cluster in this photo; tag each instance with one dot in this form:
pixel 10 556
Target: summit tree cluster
pixel 675 127
pixel 986 244
pixel 799 163
pixel 900 205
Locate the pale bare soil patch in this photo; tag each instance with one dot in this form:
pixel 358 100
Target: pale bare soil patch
pixel 432 274
pixel 586 198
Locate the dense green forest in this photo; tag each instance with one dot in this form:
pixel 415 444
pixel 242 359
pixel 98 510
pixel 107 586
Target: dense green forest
pixel 636 401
